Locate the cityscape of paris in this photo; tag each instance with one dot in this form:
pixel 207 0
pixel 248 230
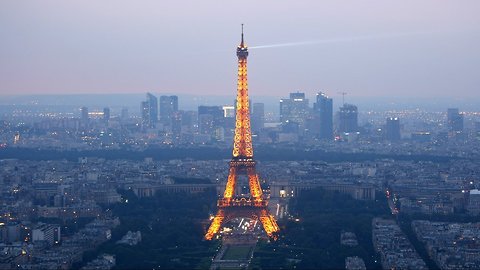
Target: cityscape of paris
pixel 239 135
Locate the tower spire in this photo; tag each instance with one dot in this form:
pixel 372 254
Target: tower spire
pixel 242 44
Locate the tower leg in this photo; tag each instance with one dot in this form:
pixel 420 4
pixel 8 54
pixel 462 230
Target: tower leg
pixel 231 182
pixel 215 225
pixel 269 224
pixel 254 183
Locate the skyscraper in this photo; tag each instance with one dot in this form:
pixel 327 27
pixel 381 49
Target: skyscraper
pixel 229 119
pixel 106 114
pixel 150 111
pixel 294 109
pixel 210 118
pixel 477 129
pixel 258 117
pixel 323 109
pixel 229 111
pixel 168 106
pixel 124 114
pixel 176 123
pixel 84 119
pixel 454 120
pixel 84 113
pixel 189 121
pixel 348 118
pixel 393 129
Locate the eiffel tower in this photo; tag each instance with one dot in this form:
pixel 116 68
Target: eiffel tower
pixel 242 163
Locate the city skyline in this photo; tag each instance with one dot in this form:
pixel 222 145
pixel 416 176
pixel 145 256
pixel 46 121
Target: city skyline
pixel 376 49
pixel 124 146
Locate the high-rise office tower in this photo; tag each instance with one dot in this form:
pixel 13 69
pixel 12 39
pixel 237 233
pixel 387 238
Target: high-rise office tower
pixel 294 109
pixel 393 129
pixel 150 111
pixel 145 113
pixel 348 118
pixel 16 138
pixel 454 120
pixel 229 111
pixel 323 110
pixel 258 117
pixel 477 130
pixel 84 114
pixel 106 114
pixel 124 114
pixel 229 118
pixel 189 121
pixel 84 118
pixel 210 118
pixel 176 122
pixel 168 106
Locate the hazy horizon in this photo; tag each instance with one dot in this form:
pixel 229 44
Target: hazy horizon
pixel 192 101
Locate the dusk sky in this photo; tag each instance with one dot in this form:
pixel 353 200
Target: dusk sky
pixel 366 48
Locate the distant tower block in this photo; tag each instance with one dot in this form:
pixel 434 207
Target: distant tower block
pixel 149 109
pixel 233 206
pixel 348 118
pixel 168 108
pixel 323 109
pixel 393 129
pixel 16 138
pixel 454 120
pixel 106 114
pixel 84 118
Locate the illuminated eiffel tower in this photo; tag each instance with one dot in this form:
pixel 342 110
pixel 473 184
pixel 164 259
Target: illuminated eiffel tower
pixel 242 163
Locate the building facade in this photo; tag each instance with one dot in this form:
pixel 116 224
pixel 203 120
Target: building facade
pixel 150 111
pixel 392 129
pixel 168 106
pixel 348 118
pixel 323 110
pixel 294 109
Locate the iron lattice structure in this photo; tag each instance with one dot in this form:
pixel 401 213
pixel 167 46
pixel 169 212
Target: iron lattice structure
pixel 231 206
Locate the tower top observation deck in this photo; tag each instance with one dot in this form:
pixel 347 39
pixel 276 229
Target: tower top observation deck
pixel 242 49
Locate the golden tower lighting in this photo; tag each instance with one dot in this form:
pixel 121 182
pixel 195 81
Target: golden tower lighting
pixel 232 206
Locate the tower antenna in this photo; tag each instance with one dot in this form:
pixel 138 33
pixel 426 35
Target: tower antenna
pixel 242 36
pixel 343 96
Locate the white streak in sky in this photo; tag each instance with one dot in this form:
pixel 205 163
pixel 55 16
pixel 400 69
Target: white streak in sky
pixel 339 40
